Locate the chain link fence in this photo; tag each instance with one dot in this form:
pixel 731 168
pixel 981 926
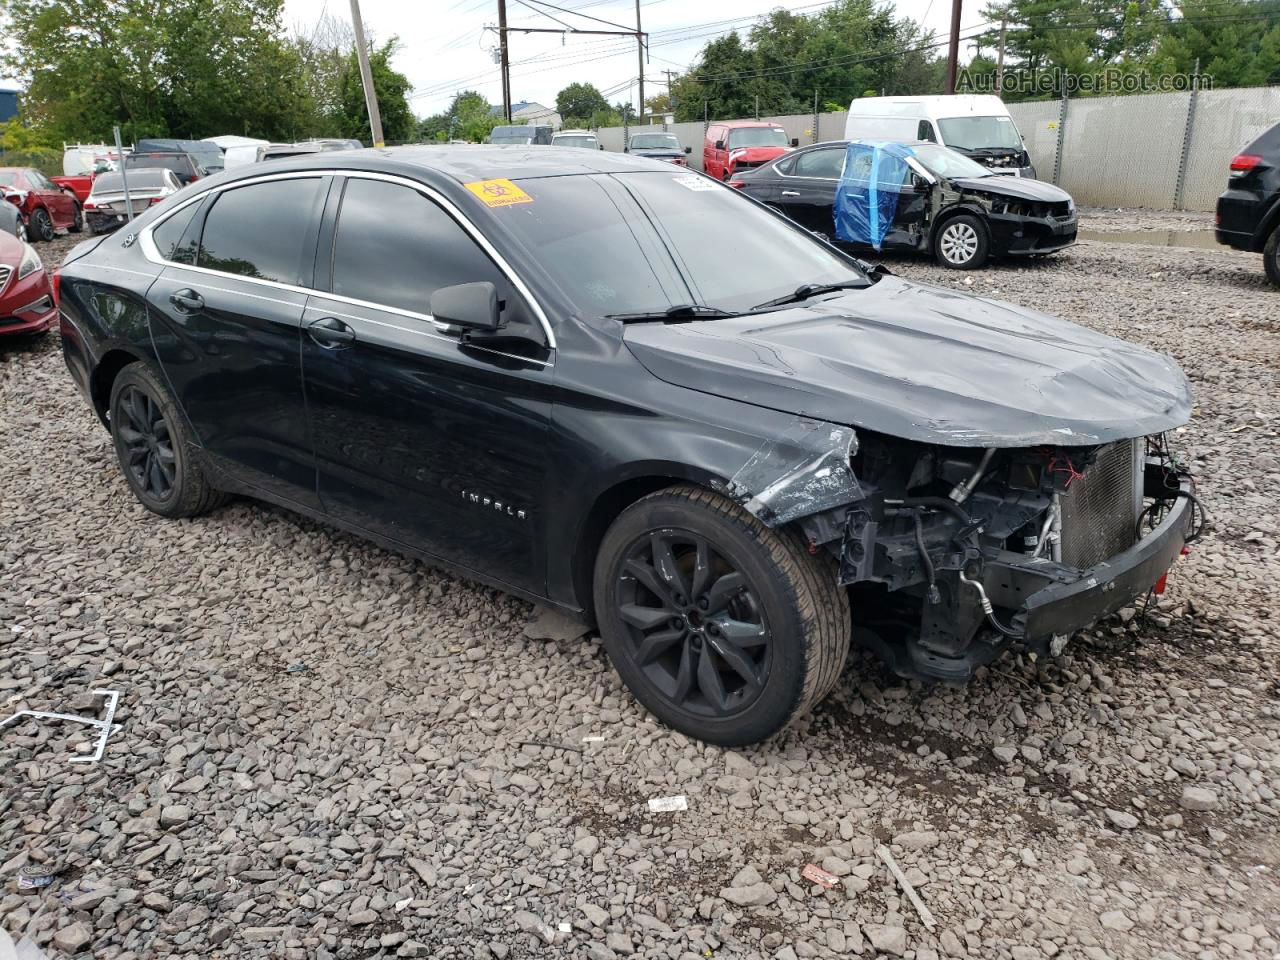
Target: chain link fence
pixel 1163 150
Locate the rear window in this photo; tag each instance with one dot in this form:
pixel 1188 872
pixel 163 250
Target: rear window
pixel 654 141
pixel 589 143
pixel 138 180
pixel 1268 143
pixel 179 163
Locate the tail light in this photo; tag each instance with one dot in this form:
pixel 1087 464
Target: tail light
pixel 154 201
pixel 737 184
pixel 90 206
pixel 57 285
pixel 1243 163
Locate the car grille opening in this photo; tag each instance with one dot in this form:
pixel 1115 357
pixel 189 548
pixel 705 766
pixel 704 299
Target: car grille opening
pixel 1100 509
pixel 5 270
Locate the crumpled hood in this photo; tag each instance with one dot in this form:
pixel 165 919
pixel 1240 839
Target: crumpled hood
pixel 1023 188
pixel 755 154
pixel 926 364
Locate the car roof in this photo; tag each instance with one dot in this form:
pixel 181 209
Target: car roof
pixel 480 162
pixel 745 123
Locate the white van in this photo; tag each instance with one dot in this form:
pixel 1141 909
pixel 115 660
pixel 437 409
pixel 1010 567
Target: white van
pixel 977 126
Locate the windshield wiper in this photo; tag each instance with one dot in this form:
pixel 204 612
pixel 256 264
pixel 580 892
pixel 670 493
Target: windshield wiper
pixel 807 290
pixel 681 311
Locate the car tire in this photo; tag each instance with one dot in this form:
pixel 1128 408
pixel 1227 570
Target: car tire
pixel 77 224
pixel 725 629
pixel 961 243
pixel 159 462
pixel 20 231
pixel 1271 256
pixel 40 227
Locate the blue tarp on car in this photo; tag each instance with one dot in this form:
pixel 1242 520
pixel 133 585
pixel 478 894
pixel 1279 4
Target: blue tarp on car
pixel 875 173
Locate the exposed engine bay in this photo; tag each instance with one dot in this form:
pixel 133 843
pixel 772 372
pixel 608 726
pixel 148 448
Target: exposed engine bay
pixel 953 554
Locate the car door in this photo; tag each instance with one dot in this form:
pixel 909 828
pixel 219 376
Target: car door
pixel 226 318
pixel 710 157
pixel 807 194
pixel 60 204
pixel 423 436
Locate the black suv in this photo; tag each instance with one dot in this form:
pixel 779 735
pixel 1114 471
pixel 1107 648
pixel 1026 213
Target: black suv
pixel 1249 211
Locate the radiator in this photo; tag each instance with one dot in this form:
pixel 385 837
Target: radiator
pixel 1100 509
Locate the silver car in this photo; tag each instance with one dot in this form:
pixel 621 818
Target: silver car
pixel 105 208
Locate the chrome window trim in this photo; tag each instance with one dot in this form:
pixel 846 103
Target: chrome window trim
pixel 152 253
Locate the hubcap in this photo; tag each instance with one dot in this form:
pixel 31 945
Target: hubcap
pixel 959 242
pixel 696 628
pixel 148 447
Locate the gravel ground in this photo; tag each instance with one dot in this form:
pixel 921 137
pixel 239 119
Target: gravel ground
pixel 326 750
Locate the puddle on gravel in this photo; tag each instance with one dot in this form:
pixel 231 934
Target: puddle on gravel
pixel 1195 239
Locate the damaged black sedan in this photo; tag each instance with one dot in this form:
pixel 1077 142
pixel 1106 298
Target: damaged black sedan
pixel 915 196
pixel 546 369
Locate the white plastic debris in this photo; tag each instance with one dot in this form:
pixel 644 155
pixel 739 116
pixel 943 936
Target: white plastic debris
pixel 668 804
pixel 566 926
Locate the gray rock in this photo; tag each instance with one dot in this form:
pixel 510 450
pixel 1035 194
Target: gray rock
pixel 1198 798
pixel 887 939
pixel 1122 819
pixel 74 936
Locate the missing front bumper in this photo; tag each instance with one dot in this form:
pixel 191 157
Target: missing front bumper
pixel 1053 600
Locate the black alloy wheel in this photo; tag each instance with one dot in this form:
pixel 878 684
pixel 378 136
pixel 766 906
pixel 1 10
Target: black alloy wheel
pixel 696 626
pixel 1271 257
pixel 148 444
pixel 725 629
pixel 40 227
pixel 163 469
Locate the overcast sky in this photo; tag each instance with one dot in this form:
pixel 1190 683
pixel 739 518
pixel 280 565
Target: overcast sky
pixel 444 47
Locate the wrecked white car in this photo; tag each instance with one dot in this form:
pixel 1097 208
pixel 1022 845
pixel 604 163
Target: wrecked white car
pixel 552 373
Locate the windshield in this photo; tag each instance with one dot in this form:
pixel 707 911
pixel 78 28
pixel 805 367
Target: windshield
pixel 138 180
pixel 757 137
pixel 655 141
pixel 948 163
pixel 980 133
pixel 511 138
pixel 576 141
pixel 645 242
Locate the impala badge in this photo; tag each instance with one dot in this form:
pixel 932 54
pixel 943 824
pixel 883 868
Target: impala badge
pixel 505 508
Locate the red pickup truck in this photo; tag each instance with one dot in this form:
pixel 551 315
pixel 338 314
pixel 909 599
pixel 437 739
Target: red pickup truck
pixel 81 186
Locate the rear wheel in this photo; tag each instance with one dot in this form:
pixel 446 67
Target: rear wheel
pixel 961 243
pixel 723 628
pixel 1271 256
pixel 159 463
pixel 78 223
pixel 41 227
pixel 20 231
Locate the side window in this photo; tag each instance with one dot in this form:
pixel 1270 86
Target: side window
pixel 820 163
pixel 925 132
pixel 787 166
pixel 259 230
pixel 39 181
pixel 169 235
pixel 395 247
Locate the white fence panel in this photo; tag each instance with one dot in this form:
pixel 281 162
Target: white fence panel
pixel 611 138
pixel 1226 121
pixel 1037 121
pixel 831 126
pixel 798 127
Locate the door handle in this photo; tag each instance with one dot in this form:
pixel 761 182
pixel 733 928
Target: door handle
pixel 331 333
pixel 791 193
pixel 187 301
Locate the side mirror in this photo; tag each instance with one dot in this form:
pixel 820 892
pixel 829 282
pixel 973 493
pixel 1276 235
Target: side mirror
pixel 795 141
pixel 719 144
pixel 688 149
pixel 472 306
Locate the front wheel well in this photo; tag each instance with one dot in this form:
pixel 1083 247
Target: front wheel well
pixel 950 214
pixel 104 375
pixel 604 511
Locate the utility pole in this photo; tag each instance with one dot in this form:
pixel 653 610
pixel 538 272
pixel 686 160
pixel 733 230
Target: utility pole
pixel 366 76
pixel 1004 20
pixel 502 55
pixel 953 53
pixel 640 56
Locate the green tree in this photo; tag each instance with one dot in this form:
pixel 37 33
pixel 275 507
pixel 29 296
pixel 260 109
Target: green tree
pixel 469 117
pixel 390 87
pixel 155 67
pixel 578 102
pixel 784 61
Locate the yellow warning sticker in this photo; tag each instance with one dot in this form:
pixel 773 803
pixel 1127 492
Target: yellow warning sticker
pixel 498 193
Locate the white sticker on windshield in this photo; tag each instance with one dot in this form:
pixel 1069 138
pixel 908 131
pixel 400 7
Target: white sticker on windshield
pixel 694 182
